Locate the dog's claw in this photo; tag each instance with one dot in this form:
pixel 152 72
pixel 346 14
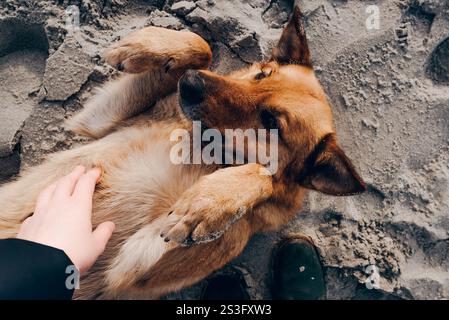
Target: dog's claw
pixel 169 64
pixel 187 242
pixel 120 66
pixel 167 239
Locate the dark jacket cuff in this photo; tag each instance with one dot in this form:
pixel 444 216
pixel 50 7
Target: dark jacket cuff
pixel 29 270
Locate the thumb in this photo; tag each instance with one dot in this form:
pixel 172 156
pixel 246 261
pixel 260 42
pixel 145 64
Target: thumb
pixel 102 234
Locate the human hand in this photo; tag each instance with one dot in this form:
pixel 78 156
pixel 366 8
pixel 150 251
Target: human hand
pixel 62 219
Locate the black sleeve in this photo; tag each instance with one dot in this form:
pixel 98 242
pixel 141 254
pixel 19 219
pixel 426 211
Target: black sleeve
pixel 30 270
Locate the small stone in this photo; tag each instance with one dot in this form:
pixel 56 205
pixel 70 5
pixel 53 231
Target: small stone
pixel 183 7
pixel 165 20
pixel 66 71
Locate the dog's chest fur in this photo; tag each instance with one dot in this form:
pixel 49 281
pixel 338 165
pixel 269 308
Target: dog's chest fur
pixel 139 185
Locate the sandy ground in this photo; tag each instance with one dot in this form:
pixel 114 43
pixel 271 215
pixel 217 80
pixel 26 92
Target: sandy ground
pixel 388 87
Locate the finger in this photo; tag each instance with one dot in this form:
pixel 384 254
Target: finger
pixel 102 234
pixel 85 187
pixel 44 198
pixel 65 186
pixel 24 229
pixel 25 223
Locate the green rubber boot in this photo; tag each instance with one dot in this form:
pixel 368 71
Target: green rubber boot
pixel 226 287
pixel 297 271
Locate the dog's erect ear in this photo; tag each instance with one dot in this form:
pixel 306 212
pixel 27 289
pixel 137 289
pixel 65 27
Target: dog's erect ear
pixel 329 171
pixel 292 47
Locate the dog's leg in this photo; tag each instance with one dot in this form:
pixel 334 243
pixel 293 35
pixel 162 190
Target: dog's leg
pixel 155 48
pixel 214 207
pixel 216 201
pixel 120 100
pixel 173 269
pixel 155 59
pixel 148 267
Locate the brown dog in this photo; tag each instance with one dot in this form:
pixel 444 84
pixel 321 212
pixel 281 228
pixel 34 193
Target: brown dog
pixel 157 205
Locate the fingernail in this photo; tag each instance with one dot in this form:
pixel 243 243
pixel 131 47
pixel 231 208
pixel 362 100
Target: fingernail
pixel 96 170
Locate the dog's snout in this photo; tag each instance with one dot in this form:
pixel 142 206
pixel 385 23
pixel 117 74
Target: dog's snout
pixel 192 87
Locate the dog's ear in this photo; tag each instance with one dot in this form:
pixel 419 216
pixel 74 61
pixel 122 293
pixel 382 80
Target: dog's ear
pixel 292 47
pixel 329 170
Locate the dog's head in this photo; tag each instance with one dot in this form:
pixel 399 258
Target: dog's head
pixel 282 94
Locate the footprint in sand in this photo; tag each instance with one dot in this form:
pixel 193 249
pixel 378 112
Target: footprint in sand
pixel 23 53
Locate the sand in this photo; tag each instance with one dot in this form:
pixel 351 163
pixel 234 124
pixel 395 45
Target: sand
pixel 389 89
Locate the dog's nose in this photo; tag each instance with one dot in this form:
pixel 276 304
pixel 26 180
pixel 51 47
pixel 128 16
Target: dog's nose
pixel 192 87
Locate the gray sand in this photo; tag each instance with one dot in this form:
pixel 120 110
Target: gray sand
pixel 389 89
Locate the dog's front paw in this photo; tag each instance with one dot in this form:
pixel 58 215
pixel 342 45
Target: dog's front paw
pixel 201 220
pixel 143 50
pixel 134 54
pixel 158 48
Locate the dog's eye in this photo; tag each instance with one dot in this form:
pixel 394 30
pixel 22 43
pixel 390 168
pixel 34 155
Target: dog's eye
pixel 269 121
pixel 264 73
